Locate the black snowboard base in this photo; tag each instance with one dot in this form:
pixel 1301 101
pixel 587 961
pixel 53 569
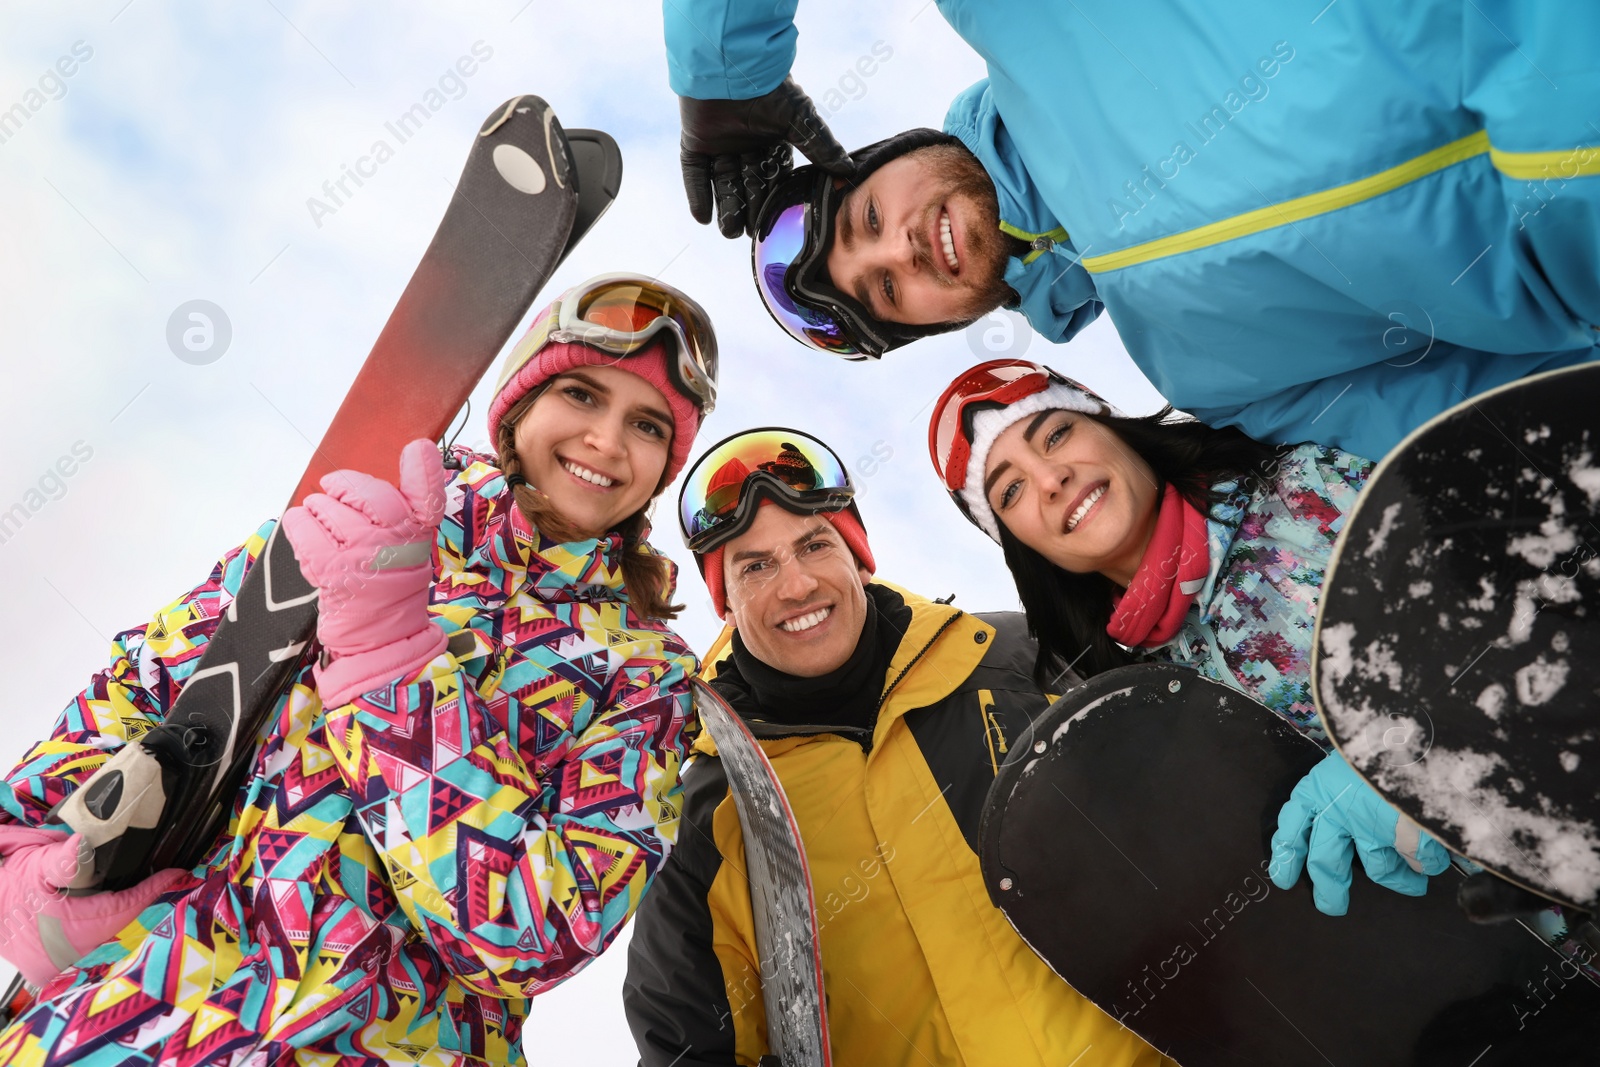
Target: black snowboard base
pixel 1127 841
pixel 1457 659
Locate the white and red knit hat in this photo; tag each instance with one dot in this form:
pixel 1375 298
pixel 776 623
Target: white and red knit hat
pixel 981 404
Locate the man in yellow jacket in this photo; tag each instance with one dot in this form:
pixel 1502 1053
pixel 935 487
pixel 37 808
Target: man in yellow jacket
pixel 886 716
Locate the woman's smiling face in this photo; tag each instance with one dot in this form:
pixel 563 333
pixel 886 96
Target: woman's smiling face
pixel 596 443
pixel 1068 487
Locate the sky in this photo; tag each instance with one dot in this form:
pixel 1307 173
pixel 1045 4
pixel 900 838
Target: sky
pixel 176 162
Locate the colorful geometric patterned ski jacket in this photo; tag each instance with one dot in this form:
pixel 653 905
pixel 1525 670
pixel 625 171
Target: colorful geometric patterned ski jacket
pixel 401 873
pixel 1251 625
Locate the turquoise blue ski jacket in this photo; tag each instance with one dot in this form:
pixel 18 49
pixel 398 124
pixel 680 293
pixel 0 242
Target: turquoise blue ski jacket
pixel 1313 220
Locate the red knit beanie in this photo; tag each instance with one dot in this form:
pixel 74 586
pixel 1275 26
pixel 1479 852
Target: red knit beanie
pixel 523 374
pixel 850 531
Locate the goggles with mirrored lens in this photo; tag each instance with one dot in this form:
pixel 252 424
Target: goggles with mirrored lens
pixel 788 257
pixel 726 485
pixel 621 314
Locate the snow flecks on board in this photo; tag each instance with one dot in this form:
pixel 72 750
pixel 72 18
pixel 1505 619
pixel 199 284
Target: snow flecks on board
pixel 1586 476
pixel 1474 563
pixel 1533 594
pixel 1492 701
pixel 1373 733
pixel 1087 708
pixel 1485 600
pixel 1380 537
pixel 1375 662
pixel 1539 681
pixel 1554 539
pixel 1460 791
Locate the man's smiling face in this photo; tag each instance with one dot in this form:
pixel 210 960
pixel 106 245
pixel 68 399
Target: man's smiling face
pixel 919 241
pixel 796 593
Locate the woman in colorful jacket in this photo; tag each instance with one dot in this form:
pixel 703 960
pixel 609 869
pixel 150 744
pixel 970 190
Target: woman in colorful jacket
pixel 460 804
pixel 1154 538
pixel 1167 539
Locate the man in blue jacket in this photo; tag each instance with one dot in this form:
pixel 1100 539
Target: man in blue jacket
pixel 1315 221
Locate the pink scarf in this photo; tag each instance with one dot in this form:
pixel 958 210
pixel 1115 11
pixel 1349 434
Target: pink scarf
pixel 1173 569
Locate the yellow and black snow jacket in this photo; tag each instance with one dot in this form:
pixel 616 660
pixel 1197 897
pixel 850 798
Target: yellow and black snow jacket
pixel 919 967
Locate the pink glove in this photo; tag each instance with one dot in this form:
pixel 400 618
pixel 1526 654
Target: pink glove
pixel 368 548
pixel 42 930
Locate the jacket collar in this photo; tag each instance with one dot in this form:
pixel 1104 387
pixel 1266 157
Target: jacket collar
pixel 938 651
pixel 1222 529
pixel 587 571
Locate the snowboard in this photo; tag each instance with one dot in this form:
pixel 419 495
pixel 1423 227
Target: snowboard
pixel 162 801
pixel 1127 840
pixel 782 900
pixel 1457 653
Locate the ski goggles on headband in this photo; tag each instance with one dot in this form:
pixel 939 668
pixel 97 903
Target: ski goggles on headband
pixel 620 314
pixel 789 258
pixel 724 488
pixel 997 383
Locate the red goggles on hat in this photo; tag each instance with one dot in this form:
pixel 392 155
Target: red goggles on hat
pixel 997 383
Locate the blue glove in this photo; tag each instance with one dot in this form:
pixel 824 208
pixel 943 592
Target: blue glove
pixel 1333 813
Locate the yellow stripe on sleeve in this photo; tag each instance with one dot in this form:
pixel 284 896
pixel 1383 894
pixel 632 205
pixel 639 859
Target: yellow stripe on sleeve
pixel 1564 163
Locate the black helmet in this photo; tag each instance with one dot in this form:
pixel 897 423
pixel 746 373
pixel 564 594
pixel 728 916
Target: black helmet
pixel 789 254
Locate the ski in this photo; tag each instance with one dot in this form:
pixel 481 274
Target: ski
pixel 781 895
pixel 162 801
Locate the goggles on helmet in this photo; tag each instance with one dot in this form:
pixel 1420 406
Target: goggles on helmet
pixel 997 383
pixel 726 485
pixel 789 257
pixel 620 314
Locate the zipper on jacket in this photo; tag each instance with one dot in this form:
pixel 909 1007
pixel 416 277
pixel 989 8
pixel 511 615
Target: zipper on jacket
pixel 923 651
pixel 1039 242
pixel 1297 209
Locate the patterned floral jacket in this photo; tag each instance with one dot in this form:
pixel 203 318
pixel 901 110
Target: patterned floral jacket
pixel 403 872
pixel 1251 624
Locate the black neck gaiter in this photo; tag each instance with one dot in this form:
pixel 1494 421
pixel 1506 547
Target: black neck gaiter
pixel 846 696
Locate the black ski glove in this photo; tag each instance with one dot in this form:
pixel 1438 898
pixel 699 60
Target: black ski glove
pixel 734 151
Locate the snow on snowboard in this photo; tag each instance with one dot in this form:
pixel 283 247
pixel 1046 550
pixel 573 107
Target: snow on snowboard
pixel 1457 660
pixel 1127 840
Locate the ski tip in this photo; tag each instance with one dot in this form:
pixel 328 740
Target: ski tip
pixel 530 120
pixel 526 104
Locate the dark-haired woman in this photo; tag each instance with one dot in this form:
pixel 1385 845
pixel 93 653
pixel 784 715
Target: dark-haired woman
pixel 1163 538
pixel 455 807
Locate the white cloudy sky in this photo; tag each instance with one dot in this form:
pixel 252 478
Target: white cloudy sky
pixel 176 166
